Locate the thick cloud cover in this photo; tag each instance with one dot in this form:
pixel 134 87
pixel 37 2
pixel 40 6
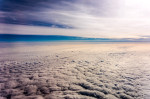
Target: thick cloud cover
pixel 84 71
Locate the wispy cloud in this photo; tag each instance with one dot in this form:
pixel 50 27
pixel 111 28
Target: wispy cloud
pixel 88 18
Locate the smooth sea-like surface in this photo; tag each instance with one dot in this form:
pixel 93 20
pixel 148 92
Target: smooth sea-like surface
pixel 61 38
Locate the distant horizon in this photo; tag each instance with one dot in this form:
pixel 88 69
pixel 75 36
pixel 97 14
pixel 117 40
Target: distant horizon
pixel 54 38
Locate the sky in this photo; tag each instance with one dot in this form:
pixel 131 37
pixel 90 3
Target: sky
pixel 85 18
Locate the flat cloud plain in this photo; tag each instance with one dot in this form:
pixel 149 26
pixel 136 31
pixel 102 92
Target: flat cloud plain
pixel 77 71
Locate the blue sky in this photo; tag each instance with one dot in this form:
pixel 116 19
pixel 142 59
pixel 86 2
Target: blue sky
pixel 87 18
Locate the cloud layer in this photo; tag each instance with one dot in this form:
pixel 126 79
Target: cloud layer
pixel 88 18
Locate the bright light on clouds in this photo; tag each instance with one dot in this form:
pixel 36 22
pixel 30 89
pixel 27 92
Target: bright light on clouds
pixel 135 9
pixel 87 18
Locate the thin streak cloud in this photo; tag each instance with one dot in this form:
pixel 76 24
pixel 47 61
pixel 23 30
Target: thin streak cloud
pixel 87 18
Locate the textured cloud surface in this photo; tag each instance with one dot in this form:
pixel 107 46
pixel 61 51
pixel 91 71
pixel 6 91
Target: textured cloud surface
pixel 84 71
pixel 88 18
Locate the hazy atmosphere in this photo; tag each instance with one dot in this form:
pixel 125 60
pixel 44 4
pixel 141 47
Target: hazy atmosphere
pixel 74 49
